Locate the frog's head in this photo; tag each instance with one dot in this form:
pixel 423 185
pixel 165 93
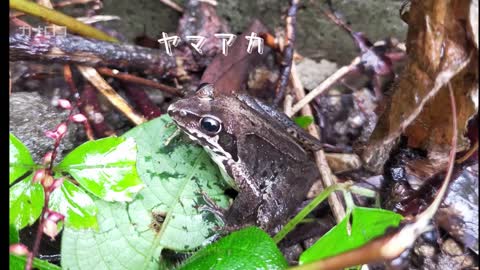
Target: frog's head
pixel 209 121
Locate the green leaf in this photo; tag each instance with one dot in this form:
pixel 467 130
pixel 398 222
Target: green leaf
pixel 26 202
pixel 20 159
pixel 106 168
pixel 367 223
pixel 303 121
pixel 249 248
pixel 18 263
pixel 78 208
pixel 13 232
pixel 165 214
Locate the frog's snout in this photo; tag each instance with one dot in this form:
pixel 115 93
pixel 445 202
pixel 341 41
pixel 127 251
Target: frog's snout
pixel 171 109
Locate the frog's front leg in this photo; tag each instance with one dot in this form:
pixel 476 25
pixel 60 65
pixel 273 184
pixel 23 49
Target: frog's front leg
pixel 243 211
pixel 270 214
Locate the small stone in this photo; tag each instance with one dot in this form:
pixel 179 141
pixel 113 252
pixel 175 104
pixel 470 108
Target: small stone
pixel 451 247
pixel 312 73
pixel 425 250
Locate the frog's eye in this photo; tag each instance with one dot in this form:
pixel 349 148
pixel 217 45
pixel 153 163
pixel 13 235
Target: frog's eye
pixel 210 125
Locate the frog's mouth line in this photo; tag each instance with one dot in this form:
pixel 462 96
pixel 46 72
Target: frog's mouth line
pixel 200 139
pixel 219 157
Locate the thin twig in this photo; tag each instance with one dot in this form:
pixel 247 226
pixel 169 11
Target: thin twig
pixel 325 85
pixel 135 79
pixel 115 99
pixel 173 5
pixel 142 101
pixel 98 18
pixel 328 178
pixel 72 2
pixel 287 52
pixel 287 104
pixel 273 42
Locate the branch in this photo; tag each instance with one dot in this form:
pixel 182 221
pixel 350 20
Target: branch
pixel 70 49
pixel 328 179
pixel 139 80
pixel 108 92
pixel 325 85
pixel 287 52
pixel 142 101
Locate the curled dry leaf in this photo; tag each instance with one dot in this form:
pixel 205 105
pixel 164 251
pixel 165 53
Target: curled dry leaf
pixel 439 52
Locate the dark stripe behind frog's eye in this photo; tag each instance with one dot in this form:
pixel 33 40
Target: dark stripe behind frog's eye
pixel 210 125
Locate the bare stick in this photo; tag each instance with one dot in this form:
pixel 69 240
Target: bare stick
pixel 142 101
pixel 287 52
pixel 328 179
pixel 72 49
pixel 138 80
pixel 72 2
pixel 287 104
pixel 325 85
pixel 115 99
pixel 173 5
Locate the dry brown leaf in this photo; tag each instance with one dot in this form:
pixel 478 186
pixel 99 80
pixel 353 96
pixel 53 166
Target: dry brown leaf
pixel 437 45
pixel 230 73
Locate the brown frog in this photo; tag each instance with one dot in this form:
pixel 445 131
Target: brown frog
pixel 260 151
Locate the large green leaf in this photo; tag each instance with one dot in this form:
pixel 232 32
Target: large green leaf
pixel 13 233
pixel 250 248
pixel 105 167
pixel 20 159
pixel 78 208
pixel 18 263
pixel 26 202
pixel 367 223
pixel 165 214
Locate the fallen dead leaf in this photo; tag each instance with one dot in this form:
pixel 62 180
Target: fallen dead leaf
pixel 229 73
pixel 437 44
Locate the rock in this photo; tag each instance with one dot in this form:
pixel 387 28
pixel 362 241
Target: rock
pixel 30 116
pixel 312 73
pixel 317 36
